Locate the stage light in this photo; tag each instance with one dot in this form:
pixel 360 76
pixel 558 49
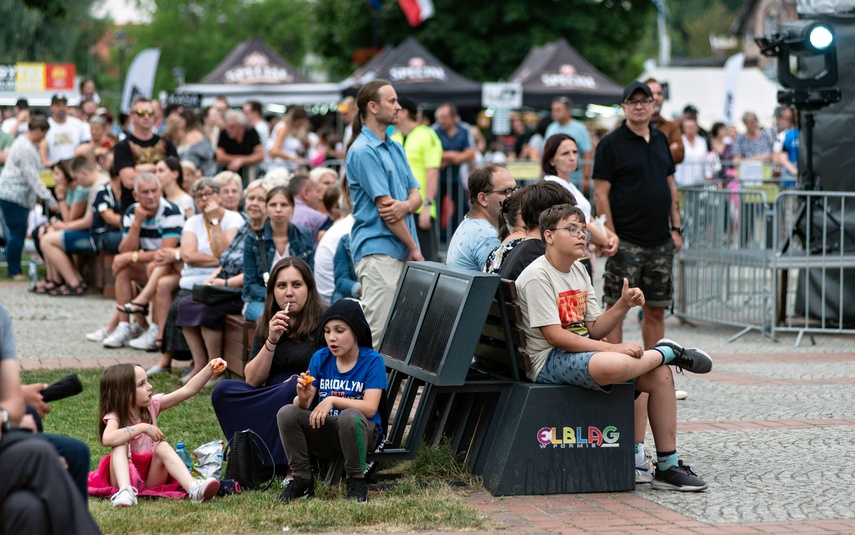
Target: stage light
pixel 810 46
pixel 820 37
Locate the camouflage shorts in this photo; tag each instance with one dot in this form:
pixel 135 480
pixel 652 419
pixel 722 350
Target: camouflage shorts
pixel 648 268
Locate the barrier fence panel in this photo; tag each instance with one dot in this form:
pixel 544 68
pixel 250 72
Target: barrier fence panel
pixel 722 271
pixel 766 260
pixel 813 263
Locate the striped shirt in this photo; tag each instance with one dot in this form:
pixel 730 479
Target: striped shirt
pixel 167 223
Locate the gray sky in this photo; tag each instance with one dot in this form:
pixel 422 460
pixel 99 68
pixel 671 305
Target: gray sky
pixel 121 11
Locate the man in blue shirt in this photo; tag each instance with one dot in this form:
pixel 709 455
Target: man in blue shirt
pixel 563 123
pixel 457 149
pixel 384 194
pixel 477 236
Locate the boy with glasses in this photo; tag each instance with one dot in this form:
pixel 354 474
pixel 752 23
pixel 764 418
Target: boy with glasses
pixel 564 331
pixel 477 237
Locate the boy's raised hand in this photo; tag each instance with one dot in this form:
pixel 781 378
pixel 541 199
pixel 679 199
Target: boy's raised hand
pixel 633 297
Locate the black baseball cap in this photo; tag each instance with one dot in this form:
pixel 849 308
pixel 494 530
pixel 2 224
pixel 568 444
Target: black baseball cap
pixel 409 105
pixel 57 97
pixel 22 104
pixel 636 86
pixel 690 109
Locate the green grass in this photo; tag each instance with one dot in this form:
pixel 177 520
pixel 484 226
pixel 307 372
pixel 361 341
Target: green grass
pixel 419 500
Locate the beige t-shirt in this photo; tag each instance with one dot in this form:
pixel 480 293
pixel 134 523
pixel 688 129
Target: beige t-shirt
pixel 549 297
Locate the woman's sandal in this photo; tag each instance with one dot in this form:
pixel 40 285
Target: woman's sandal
pixel 133 308
pixel 45 286
pixel 66 290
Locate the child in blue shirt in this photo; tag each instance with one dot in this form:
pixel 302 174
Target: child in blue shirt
pixel 348 377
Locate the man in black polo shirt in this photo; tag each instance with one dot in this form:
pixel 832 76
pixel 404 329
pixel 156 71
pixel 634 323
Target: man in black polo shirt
pixel 634 188
pixel 239 147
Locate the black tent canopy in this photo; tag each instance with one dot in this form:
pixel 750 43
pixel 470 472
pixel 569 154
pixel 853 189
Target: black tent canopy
pixel 417 74
pixel 557 70
pixel 253 71
pixel 253 62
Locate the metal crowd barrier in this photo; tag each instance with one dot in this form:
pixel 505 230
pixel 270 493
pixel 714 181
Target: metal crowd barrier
pixel 765 260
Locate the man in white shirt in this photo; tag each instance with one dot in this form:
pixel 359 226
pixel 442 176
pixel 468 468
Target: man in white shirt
pixel 17 123
pixel 66 133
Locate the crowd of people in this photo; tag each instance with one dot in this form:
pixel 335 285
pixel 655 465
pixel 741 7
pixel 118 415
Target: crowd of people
pixel 291 245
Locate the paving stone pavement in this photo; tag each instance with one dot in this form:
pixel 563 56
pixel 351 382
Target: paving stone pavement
pixel 771 429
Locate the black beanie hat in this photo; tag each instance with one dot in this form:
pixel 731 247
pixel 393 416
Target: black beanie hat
pixel 350 312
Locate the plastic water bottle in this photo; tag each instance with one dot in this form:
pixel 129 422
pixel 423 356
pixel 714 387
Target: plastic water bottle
pixel 34 273
pixel 182 453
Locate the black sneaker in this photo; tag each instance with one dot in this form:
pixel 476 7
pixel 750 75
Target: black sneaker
pixel 298 488
pixel 688 358
pixel 678 477
pixel 357 489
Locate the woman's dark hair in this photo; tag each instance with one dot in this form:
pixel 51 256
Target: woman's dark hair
pixel 280 190
pixel 541 196
pixel 716 128
pixel 306 322
pixel 549 150
pixel 65 167
pixel 510 211
pixel 369 92
pixel 192 119
pixel 174 165
pixel 117 394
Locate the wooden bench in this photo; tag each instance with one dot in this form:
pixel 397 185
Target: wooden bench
pixel 237 342
pixel 97 271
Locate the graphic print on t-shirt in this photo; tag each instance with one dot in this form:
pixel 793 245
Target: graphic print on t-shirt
pixel 572 306
pixel 341 388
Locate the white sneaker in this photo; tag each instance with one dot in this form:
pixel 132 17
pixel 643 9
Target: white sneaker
pixel 145 340
pixel 99 335
pixel 203 490
pixel 120 337
pixel 645 471
pixel 126 497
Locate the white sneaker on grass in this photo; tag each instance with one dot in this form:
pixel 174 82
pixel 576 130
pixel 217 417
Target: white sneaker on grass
pixel 203 490
pixel 119 337
pixel 145 340
pixel 126 497
pixel 99 335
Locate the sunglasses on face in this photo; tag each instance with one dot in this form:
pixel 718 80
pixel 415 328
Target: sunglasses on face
pixel 143 113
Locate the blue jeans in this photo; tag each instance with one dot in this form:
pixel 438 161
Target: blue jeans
pixel 16 221
pixel 253 310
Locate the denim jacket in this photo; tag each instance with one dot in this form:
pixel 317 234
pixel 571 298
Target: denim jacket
pixel 344 272
pixel 300 244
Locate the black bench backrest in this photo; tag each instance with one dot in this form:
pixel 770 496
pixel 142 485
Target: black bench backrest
pixel 500 348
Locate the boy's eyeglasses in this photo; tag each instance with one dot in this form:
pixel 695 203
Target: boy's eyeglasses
pixel 143 113
pixel 575 231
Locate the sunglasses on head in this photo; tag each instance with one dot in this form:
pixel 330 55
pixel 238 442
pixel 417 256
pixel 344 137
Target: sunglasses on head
pixel 143 113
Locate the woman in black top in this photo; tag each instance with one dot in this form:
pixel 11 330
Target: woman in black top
pixel 281 350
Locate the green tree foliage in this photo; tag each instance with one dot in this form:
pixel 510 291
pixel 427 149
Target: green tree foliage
pixel 486 39
pixel 40 30
pixel 196 35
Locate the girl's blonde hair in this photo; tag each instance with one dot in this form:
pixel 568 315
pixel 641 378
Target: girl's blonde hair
pixel 117 394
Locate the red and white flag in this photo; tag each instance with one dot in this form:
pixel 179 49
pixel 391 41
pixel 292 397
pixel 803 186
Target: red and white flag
pixel 417 11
